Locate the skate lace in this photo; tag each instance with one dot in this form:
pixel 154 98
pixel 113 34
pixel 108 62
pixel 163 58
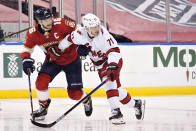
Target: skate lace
pixel 138 107
pixel 114 112
pixel 137 111
pixel 87 106
pixel 40 109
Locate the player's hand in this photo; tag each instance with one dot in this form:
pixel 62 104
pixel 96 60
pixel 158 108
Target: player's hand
pixel 28 64
pixel 82 50
pixel 112 72
pixel 54 52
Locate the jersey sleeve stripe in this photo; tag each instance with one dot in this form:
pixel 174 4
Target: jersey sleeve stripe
pixel 113 50
pixel 97 63
pixel 69 39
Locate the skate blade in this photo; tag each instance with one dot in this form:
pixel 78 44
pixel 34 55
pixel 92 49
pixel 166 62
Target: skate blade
pixel 118 121
pixel 143 108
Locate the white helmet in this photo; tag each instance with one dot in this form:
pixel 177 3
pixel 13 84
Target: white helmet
pixel 90 20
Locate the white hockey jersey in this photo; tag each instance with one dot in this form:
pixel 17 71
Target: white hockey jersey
pixel 102 47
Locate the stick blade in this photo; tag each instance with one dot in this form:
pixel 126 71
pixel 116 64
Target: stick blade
pixel 43 125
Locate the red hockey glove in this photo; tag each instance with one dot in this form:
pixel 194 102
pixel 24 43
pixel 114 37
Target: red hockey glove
pixel 112 72
pixel 53 52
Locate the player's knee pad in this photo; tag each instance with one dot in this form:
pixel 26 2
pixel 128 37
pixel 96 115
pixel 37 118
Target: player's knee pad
pixel 42 81
pixel 75 94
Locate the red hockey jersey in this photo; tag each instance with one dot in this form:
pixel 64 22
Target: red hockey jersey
pixel 61 27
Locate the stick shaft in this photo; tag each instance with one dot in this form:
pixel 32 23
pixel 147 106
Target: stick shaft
pixel 30 92
pixel 14 34
pixel 81 100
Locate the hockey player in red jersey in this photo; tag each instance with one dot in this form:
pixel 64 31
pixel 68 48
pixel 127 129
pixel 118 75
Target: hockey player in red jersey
pixel 47 35
pixel 96 42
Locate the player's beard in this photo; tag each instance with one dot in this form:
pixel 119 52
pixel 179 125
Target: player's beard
pixel 47 27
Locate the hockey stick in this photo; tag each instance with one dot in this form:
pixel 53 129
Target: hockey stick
pixel 14 34
pixel 30 92
pixel 61 117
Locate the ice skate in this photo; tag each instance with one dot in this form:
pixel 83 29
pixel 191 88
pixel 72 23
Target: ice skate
pixel 42 111
pixel 117 117
pixel 139 109
pixel 88 108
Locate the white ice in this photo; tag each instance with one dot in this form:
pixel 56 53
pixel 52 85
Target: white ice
pixel 171 113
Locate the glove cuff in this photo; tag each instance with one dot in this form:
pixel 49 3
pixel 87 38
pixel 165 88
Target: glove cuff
pixel 29 59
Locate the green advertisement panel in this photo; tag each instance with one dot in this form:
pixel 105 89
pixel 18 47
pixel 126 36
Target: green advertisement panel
pixel 12 65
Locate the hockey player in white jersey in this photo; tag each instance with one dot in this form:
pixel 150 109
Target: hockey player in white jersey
pixel 94 40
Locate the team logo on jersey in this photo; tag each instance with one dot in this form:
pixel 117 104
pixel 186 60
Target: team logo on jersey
pixel 182 12
pixel 71 24
pixel 12 65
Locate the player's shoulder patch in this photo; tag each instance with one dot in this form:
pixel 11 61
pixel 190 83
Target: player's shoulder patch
pixel 70 23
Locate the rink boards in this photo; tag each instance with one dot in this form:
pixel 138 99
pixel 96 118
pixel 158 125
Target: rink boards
pixel 149 69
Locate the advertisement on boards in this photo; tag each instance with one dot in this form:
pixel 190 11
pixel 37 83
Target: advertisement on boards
pixel 143 66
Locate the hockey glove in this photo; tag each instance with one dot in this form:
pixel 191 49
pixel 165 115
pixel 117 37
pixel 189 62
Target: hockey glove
pixel 82 50
pixel 53 52
pixel 112 72
pixel 28 64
